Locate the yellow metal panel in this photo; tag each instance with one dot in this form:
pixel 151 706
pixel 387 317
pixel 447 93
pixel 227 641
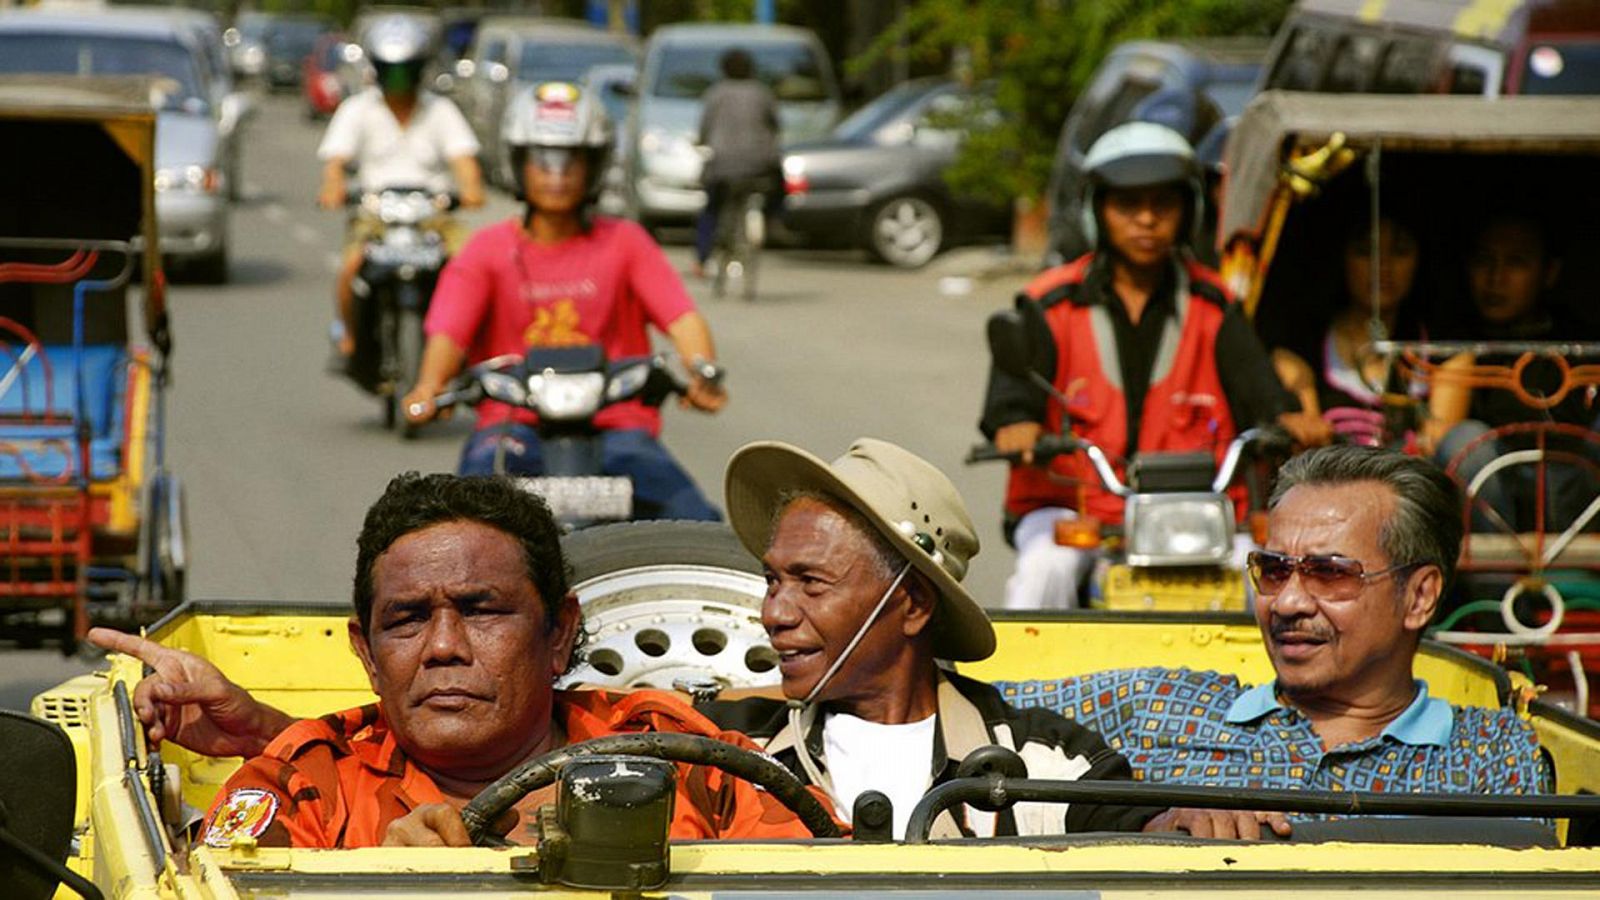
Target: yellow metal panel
pixel 1372 10
pixel 133 136
pixel 1485 18
pixel 1044 650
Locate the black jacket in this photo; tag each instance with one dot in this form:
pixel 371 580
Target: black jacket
pixel 971 715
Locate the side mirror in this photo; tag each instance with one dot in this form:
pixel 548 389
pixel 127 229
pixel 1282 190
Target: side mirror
pixel 1020 343
pixel 38 788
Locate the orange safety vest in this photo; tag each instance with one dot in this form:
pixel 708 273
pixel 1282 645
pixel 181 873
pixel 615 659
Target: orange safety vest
pixel 1185 409
pixel 338 781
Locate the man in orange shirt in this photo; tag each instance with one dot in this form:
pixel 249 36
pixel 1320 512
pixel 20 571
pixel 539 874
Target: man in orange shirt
pixel 462 648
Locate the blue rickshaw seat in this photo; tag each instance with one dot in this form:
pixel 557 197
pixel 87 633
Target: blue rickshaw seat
pixel 38 444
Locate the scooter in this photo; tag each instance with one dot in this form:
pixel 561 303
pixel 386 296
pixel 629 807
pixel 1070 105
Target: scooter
pixel 398 271
pixel 567 387
pixel 1175 545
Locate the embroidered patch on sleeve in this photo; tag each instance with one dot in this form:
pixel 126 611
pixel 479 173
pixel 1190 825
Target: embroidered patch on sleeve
pixel 246 813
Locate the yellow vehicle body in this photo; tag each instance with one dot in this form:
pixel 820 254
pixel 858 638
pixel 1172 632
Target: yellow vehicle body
pixel 299 660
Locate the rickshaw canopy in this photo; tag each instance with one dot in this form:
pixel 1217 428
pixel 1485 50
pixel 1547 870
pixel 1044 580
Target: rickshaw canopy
pixel 61 183
pixel 1277 126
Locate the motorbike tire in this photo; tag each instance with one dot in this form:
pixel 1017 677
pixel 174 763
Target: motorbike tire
pixel 408 362
pixel 668 600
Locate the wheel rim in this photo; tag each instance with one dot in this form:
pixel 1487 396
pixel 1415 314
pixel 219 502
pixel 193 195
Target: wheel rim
pixel 652 625
pixel 907 231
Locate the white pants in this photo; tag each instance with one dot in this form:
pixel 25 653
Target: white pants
pixel 1050 576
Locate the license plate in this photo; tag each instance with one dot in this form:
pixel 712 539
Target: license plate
pixel 599 497
pixel 420 257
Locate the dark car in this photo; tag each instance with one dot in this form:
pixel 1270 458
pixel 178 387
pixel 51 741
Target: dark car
pixel 878 180
pixel 289 40
pixel 1438 46
pixel 1191 86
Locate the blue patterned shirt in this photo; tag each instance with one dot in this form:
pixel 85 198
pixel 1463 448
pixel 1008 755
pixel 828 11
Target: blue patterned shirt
pixel 1205 728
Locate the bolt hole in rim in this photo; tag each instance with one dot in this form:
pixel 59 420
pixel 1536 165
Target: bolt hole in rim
pixel 659 624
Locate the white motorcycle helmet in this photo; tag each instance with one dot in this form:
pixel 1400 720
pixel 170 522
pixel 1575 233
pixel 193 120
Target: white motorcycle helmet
pixel 398 46
pixel 1140 154
pixel 559 119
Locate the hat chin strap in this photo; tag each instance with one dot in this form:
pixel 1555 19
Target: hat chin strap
pixel 797 707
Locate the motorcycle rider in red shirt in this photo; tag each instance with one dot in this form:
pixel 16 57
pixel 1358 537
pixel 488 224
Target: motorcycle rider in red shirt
pixel 564 276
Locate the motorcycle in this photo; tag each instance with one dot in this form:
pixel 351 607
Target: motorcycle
pixel 1175 547
pixel 400 265
pixel 567 387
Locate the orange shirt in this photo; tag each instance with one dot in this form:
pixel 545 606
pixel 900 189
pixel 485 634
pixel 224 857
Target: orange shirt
pixel 338 781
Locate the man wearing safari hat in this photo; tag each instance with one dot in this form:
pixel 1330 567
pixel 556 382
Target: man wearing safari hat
pixel 864 559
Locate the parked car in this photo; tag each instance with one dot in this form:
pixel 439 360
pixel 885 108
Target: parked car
pixel 1192 86
pixel 614 85
pixel 330 74
pixel 512 53
pixel 191 179
pixel 1441 46
pixel 234 108
pixel 681 62
pixel 878 181
pixel 289 41
pixel 246 41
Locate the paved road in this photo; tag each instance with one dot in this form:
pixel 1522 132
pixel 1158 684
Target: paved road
pixel 281 460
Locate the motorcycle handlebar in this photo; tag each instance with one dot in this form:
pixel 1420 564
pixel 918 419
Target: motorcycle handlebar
pixel 1049 447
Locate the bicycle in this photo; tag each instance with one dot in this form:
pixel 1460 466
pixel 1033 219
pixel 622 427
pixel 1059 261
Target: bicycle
pixel 741 232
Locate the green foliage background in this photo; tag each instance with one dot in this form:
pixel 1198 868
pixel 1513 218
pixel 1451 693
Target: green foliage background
pixel 1040 54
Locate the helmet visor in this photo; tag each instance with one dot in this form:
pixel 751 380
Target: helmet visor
pixel 552 160
pixel 398 78
pixel 1145 171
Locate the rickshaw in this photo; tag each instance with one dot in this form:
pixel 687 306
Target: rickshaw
pixel 91 520
pixel 1298 168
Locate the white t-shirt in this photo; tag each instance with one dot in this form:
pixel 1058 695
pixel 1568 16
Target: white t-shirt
pixel 866 756
pixel 386 155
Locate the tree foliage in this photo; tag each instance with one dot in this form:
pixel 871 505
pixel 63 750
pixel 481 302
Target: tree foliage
pixel 1040 55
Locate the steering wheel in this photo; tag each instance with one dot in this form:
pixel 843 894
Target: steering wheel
pixel 756 768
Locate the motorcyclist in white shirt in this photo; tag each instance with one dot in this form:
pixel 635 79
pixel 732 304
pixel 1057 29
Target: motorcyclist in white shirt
pixel 394 135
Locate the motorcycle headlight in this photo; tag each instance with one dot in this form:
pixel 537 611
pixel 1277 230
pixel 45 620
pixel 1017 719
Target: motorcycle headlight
pixel 1178 529
pixel 189 178
pixel 574 395
pixel 627 382
pixel 505 388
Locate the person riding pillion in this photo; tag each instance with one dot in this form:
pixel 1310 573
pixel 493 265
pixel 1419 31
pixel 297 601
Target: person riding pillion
pixel 1150 355
pixel 559 276
pixel 395 135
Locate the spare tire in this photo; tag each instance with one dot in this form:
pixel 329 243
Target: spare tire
pixel 669 600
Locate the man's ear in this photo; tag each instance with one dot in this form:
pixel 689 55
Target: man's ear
pixel 569 618
pixel 363 651
pixel 1422 597
pixel 921 599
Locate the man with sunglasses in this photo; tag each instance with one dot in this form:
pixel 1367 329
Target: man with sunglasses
pixel 1362 543
pixel 562 276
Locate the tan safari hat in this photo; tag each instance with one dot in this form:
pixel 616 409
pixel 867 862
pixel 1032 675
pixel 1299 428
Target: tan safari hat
pixel 910 502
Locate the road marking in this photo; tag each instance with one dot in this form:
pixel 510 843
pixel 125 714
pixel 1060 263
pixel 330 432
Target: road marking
pixel 305 234
pixel 275 213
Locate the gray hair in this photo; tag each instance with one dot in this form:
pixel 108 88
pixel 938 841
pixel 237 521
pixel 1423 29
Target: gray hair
pixel 884 558
pixel 1426 527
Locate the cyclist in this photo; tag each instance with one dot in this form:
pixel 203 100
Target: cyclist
pixel 739 127
pixel 396 135
pixel 563 276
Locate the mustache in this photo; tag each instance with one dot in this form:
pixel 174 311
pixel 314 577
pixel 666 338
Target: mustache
pixel 1299 628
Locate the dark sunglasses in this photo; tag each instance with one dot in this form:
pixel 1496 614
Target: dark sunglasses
pixel 1324 577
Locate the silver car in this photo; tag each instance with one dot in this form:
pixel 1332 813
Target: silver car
pixel 680 63
pixel 191 180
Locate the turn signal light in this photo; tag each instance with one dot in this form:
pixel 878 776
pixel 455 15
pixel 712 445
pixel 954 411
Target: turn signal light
pixel 1083 533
